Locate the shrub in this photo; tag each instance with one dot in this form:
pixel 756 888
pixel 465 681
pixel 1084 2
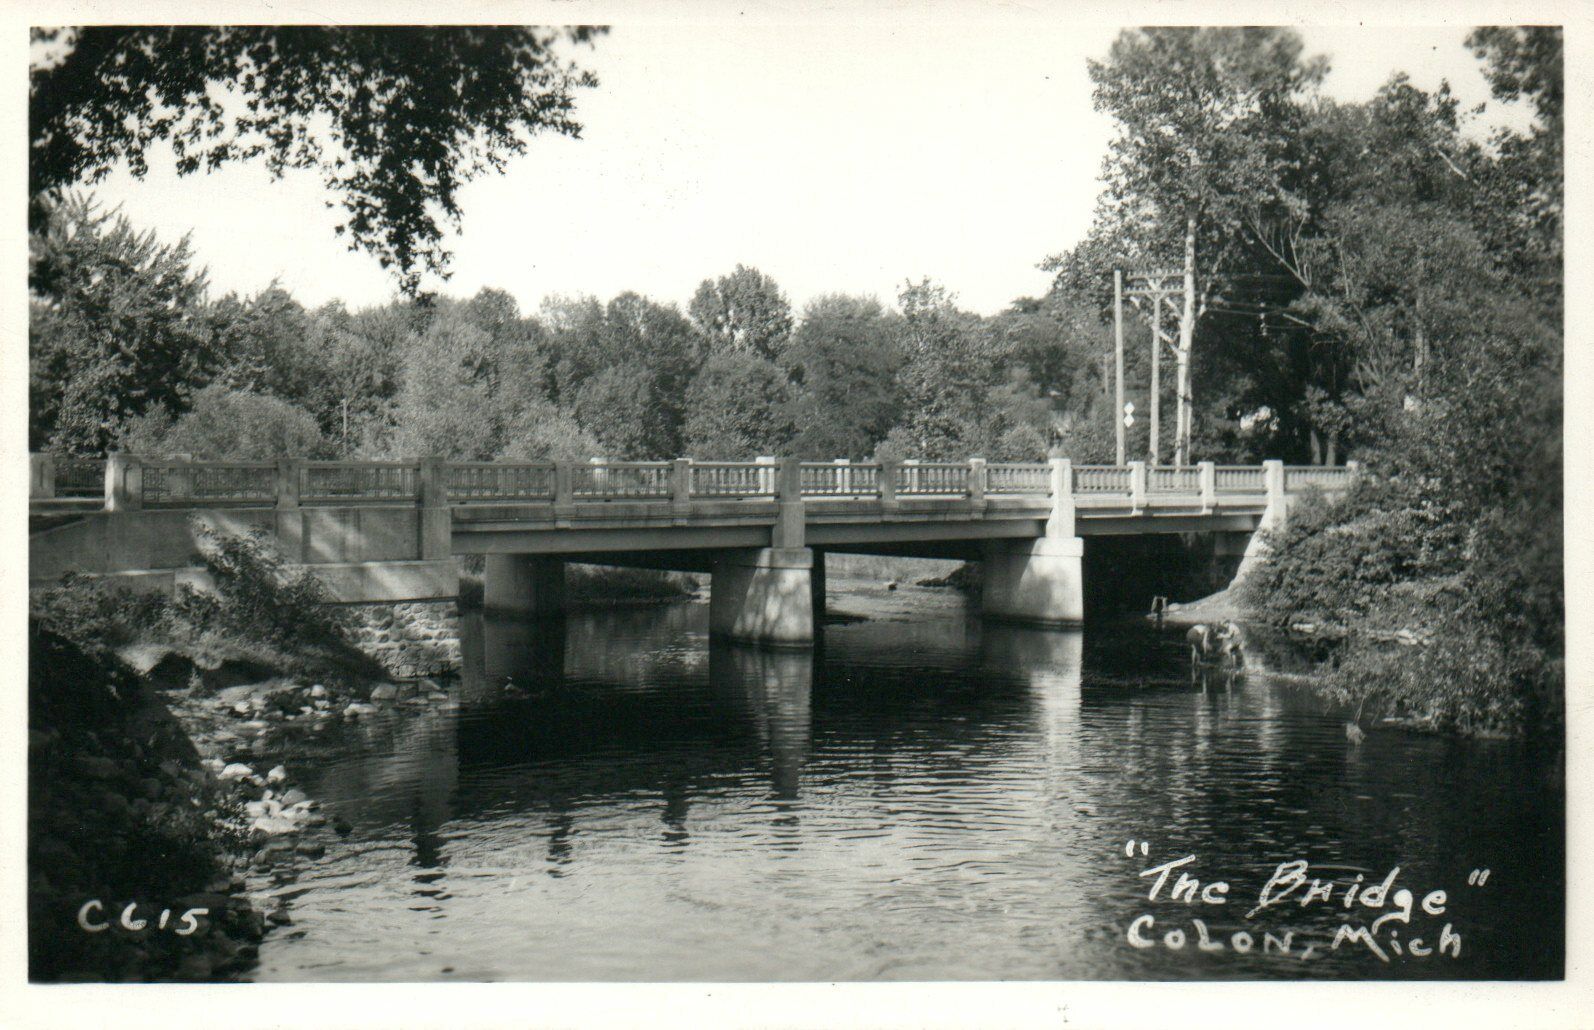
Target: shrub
pixel 97 615
pixel 256 594
pixel 224 424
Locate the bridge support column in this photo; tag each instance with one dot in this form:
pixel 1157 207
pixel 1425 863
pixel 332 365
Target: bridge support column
pixel 1036 581
pixel 524 584
pixel 816 586
pixel 763 595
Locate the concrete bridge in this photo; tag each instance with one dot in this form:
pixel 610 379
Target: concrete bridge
pixel 389 531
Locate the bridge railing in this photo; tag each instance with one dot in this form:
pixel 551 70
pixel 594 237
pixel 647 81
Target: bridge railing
pixel 620 480
pixel 1018 478
pixel 732 479
pixel 932 478
pixel 212 482
pixel 1240 479
pixel 359 480
pixel 1102 479
pixel 495 481
pixel 131 481
pixel 1173 479
pixel 1323 477
pixel 79 477
pixel 840 479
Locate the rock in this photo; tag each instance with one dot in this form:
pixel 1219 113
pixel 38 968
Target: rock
pixel 236 771
pixel 275 825
pixel 279 917
pixel 318 691
pixel 194 967
pixel 241 709
pixel 343 826
pixel 384 692
pixel 278 774
pixel 99 768
pixel 115 804
pixel 312 849
pixel 294 796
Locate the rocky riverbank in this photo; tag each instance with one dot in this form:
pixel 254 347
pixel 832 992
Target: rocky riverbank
pixel 166 826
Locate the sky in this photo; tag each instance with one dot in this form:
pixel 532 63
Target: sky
pixel 833 160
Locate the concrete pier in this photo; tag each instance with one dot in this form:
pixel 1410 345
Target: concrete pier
pixel 1035 581
pixel 763 595
pixel 524 584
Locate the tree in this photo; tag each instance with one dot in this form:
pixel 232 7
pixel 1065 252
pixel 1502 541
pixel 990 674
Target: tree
pixel 843 362
pixel 224 424
pixel 117 324
pixel 950 365
pixel 1520 196
pixel 471 384
pixel 744 311
pixel 396 119
pixel 734 408
pixel 1202 115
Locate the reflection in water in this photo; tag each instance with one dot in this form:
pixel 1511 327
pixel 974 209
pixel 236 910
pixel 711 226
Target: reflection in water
pixel 922 797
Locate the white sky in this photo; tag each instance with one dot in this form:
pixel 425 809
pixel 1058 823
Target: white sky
pixel 832 160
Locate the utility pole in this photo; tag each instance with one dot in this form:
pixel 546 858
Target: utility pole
pixel 1119 414
pixel 1163 286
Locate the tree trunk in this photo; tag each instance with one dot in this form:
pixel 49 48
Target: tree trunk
pixel 1156 379
pixel 1186 336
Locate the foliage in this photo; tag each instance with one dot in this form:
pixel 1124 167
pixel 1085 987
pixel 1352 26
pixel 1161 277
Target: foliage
pixel 743 311
pixel 843 361
pixel 224 424
pixel 396 119
pixel 115 326
pixel 734 408
pixel 256 595
pixel 472 382
pixel 965 396
pixel 96 614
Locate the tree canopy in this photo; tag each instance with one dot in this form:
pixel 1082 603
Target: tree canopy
pixel 396 119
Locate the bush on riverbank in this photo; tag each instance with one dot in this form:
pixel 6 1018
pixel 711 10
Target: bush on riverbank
pixel 256 611
pixel 1440 574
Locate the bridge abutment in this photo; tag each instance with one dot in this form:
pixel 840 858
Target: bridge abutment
pixel 763 595
pixel 524 584
pixel 1035 581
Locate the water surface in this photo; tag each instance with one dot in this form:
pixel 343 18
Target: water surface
pixel 923 797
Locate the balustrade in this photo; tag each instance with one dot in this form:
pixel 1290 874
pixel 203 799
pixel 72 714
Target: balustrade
pixel 359 480
pixel 1101 479
pixel 1173 479
pixel 1323 477
pixel 79 477
pixel 495 481
pixel 932 478
pixel 732 479
pixel 1240 479
pixel 620 480
pixel 1018 478
pixel 175 482
pixel 168 482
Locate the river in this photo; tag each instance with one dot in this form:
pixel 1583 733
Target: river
pixel 923 797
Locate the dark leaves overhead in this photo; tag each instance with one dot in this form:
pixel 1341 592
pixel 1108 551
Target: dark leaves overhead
pixel 396 120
